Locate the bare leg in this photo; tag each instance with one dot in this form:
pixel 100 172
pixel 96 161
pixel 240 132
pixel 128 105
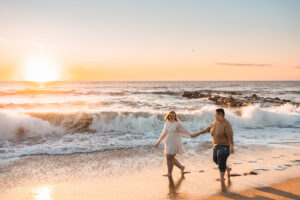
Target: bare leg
pixel 228 169
pixel 222 180
pixel 178 164
pixel 222 174
pixel 170 164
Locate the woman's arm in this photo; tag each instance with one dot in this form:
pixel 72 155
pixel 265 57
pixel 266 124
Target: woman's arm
pixel 162 136
pixel 181 129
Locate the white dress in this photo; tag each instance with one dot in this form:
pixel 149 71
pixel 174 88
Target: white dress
pixel 171 135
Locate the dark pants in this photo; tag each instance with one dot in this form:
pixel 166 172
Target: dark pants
pixel 220 155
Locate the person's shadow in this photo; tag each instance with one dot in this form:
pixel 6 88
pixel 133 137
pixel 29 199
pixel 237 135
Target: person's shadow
pixel 173 187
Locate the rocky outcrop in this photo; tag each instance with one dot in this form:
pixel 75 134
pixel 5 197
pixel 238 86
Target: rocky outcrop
pixel 207 93
pixel 196 95
pixel 235 99
pixel 229 101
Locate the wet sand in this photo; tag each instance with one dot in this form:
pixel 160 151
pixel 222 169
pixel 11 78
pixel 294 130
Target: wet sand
pixel 137 174
pixel 284 190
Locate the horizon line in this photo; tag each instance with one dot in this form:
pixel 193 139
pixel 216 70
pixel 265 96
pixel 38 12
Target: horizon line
pixel 153 81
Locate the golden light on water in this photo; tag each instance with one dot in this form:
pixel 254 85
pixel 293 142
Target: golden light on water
pixel 41 69
pixel 43 193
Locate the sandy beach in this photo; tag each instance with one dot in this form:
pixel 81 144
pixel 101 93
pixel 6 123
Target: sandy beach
pixel 137 174
pixel 283 190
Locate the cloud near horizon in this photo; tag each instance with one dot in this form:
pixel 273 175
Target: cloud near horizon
pixel 297 67
pixel 244 64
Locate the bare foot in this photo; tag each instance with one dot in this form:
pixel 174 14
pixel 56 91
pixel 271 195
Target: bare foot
pixel 228 184
pixel 223 186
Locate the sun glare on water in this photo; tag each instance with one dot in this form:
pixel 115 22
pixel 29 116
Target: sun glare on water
pixel 41 69
pixel 42 193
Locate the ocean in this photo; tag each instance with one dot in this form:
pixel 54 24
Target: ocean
pixel 72 117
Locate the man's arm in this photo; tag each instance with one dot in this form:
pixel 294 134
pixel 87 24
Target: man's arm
pixel 201 132
pixel 231 143
pixel 229 133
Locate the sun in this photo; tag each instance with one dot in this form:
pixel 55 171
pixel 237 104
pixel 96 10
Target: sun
pixel 41 69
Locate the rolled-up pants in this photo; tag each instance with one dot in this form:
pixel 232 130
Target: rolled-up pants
pixel 220 155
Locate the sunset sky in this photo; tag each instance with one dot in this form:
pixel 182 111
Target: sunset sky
pixel 151 40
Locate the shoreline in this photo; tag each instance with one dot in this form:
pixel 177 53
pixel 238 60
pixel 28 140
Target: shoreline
pixel 282 190
pixel 137 174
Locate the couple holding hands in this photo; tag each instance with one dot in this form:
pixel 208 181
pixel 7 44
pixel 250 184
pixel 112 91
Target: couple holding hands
pixel 222 136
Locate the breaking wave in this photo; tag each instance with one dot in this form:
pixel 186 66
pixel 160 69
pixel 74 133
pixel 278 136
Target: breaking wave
pixel 43 124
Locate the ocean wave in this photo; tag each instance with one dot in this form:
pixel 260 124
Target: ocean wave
pixel 32 92
pixel 159 92
pixel 286 115
pixel 36 92
pixel 23 126
pixel 54 104
pixel 42 124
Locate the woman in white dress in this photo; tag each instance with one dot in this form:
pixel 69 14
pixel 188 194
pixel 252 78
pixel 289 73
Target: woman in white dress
pixel 171 135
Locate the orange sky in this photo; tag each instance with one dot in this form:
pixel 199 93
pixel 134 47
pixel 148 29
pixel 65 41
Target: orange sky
pixel 136 41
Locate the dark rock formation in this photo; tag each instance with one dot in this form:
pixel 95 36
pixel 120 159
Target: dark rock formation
pixel 235 99
pixel 195 95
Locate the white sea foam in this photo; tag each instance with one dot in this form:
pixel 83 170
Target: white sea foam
pixel 43 124
pixel 257 117
pixel 16 125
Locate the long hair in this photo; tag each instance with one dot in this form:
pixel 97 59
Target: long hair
pixel 167 117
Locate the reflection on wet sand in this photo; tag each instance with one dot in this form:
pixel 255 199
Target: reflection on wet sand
pixel 42 193
pixel 173 187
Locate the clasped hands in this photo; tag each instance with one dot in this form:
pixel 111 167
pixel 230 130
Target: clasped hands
pixel 195 135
